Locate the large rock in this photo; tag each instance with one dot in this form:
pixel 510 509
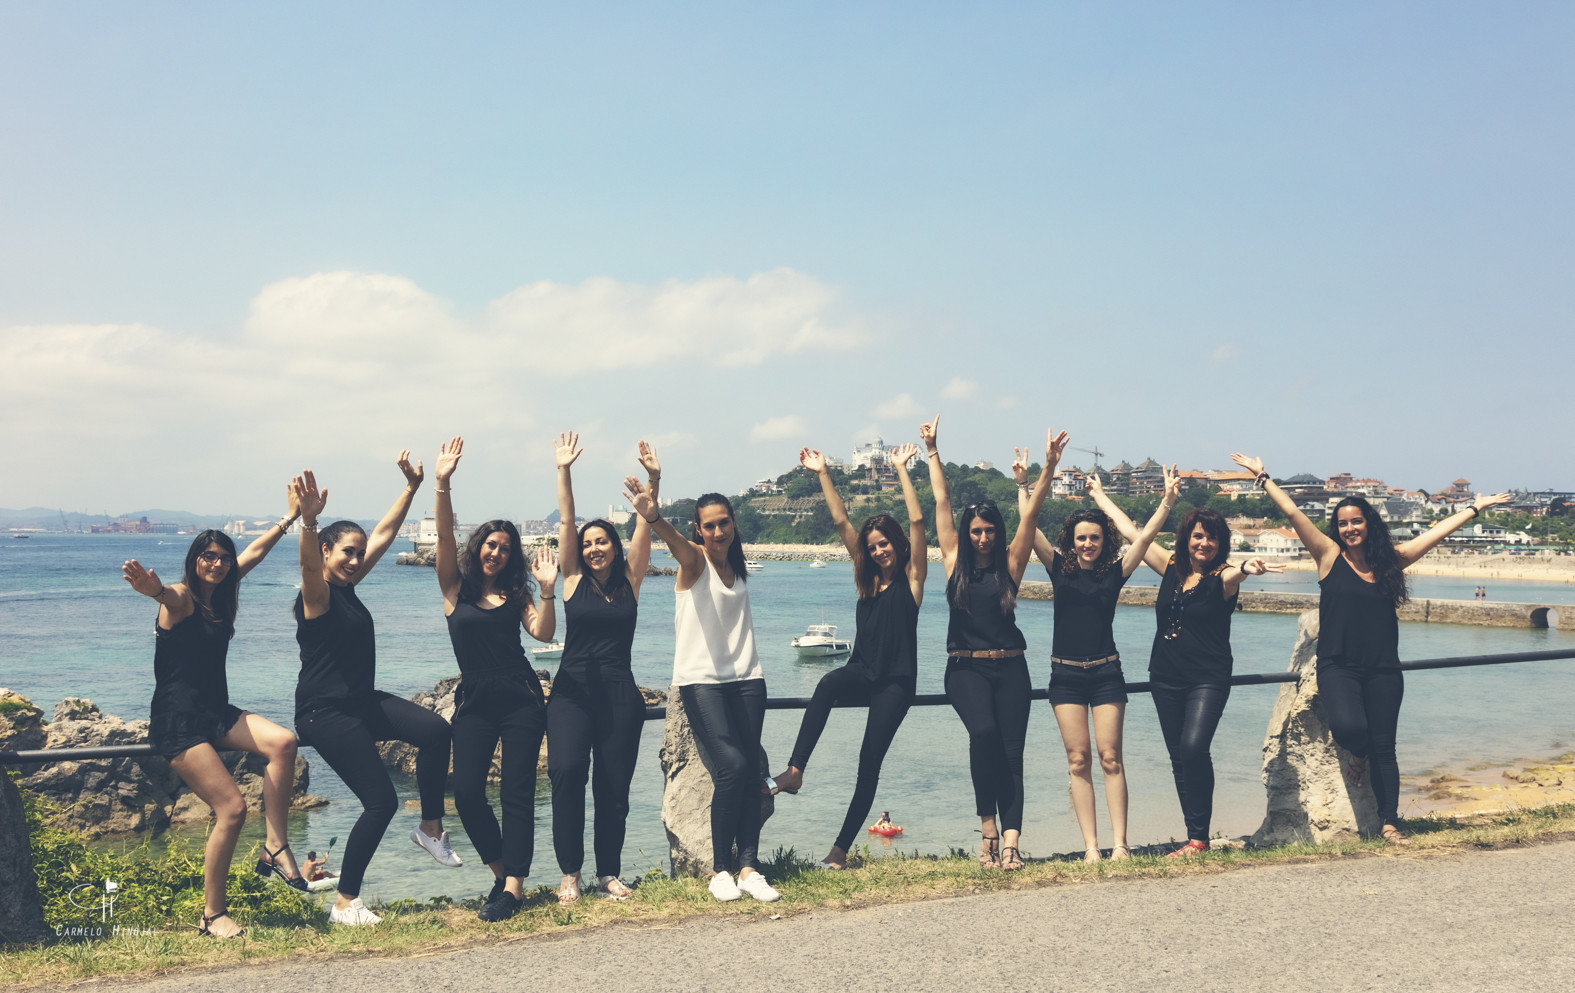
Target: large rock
pixel 1309 796
pixel 21 910
pixel 686 795
pixel 99 797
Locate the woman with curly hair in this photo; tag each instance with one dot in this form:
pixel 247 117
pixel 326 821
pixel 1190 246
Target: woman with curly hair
pixel 1361 582
pixel 986 673
pixel 1087 570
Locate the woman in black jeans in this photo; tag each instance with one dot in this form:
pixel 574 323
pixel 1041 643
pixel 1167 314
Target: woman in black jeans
pixel 1361 580
pixel 486 600
pixel 596 710
pixel 1189 667
pixel 337 710
pixel 889 572
pixel 986 673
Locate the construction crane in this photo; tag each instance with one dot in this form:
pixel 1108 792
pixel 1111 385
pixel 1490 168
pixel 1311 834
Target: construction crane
pixel 1095 452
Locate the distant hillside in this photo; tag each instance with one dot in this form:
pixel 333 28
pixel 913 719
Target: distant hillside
pixel 50 518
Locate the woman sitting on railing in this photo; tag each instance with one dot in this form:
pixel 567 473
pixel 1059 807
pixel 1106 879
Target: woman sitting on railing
pixel 883 670
pixel 1361 580
pixel 191 716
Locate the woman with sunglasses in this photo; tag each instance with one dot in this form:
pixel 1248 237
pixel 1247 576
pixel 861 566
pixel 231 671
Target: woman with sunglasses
pixel 1361 582
pixel 191 716
pixel 1087 571
pixel 1189 667
pixel 986 673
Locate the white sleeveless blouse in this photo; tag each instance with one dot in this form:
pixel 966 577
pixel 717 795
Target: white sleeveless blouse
pixel 715 632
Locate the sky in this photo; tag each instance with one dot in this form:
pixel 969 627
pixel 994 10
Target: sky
pixel 241 240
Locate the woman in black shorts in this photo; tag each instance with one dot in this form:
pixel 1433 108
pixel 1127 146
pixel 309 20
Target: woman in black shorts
pixel 338 711
pixel 1087 571
pixel 986 674
pixel 486 600
pixel 1361 582
pixel 191 716
pixel 889 571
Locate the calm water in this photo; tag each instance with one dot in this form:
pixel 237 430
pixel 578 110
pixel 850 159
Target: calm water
pixel 69 626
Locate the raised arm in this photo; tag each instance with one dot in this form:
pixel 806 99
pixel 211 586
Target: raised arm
pixel 540 617
pixel 1156 557
pixel 639 558
pixel 1145 538
pixel 816 463
pixel 1415 548
pixel 1320 546
pixel 1028 524
pixel 690 556
pixel 263 543
pixel 945 526
pixel 174 602
pixel 567 450
pixel 447 550
pixel 387 529
pixel 314 588
pixel 919 559
pixel 1233 576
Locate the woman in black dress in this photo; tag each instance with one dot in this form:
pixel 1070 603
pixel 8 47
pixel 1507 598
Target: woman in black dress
pixel 1361 582
pixel 889 572
pixel 191 716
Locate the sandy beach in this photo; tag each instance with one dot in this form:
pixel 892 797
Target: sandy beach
pixel 1490 788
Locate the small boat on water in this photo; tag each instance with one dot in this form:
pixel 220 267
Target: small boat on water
pixel 752 566
pixel 549 652
pixel 820 641
pixel 817 564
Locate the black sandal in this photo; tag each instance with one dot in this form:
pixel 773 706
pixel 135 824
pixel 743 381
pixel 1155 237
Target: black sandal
pixel 1011 860
pixel 268 867
pixel 990 858
pixel 210 918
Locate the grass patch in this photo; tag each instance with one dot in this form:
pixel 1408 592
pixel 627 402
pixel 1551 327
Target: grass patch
pixel 277 932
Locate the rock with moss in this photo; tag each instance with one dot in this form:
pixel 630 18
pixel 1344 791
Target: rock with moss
pixel 687 793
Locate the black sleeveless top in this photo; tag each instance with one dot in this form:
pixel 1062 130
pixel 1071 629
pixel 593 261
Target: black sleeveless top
pixel 984 626
pixel 1085 610
pixel 1357 624
pixel 188 666
pixel 886 641
pixel 1192 636
pixel 338 652
pixel 601 634
pixel 488 647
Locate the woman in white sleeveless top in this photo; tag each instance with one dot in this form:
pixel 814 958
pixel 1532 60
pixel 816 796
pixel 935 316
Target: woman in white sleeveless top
pixel 717 673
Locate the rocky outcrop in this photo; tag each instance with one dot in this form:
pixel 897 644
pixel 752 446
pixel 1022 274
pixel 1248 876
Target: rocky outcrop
pixel 686 795
pixel 21 910
pixel 101 797
pixel 1309 796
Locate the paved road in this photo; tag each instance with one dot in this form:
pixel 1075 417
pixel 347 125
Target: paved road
pixel 1483 921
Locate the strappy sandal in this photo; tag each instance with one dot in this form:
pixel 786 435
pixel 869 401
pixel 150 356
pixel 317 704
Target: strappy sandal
pixel 1011 859
pixel 1392 835
pixel 1192 847
pixel 990 857
pixel 1095 853
pixel 569 892
pixel 208 919
pixel 270 867
pixel 1126 853
pixel 613 888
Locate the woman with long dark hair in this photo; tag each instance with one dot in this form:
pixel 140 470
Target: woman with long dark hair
pixel 1189 666
pixel 191 716
pixel 338 711
pixel 486 601
pixel 882 672
pixel 1361 583
pixel 596 712
pixel 986 672
pixel 716 671
pixel 1087 571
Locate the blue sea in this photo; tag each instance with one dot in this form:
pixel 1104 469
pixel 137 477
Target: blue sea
pixel 70 626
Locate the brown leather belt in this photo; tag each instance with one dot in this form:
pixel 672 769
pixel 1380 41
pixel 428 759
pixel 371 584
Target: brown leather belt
pixel 1089 664
pixel 994 653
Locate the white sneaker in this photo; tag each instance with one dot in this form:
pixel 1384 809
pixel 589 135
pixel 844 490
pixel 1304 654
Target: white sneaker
pixel 756 886
pixel 723 888
pixel 438 847
pixel 354 914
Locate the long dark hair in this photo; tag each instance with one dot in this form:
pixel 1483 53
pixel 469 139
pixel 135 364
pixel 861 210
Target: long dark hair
pixel 868 573
pixel 618 581
pixel 1108 552
pixel 513 582
pixel 223 602
pixel 330 535
pixel 735 551
pixel 957 584
pixel 1382 558
pixel 1214 525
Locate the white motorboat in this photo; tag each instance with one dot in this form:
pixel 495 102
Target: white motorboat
pixel 821 641
pixel 751 565
pixel 548 652
pixel 817 564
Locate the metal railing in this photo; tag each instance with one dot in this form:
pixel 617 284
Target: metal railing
pixel 44 755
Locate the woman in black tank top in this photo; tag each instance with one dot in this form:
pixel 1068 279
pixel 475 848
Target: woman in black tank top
pixel 881 673
pixel 1087 570
pixel 486 601
pixel 596 712
pixel 1361 580
pixel 191 716
pixel 986 673
pixel 1189 666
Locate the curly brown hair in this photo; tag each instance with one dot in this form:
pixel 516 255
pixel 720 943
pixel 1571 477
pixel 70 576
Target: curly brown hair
pixel 1107 554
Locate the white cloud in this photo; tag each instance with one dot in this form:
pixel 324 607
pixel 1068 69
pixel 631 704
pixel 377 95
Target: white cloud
pixel 898 408
pixel 779 428
pixel 1224 353
pixel 959 389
